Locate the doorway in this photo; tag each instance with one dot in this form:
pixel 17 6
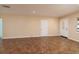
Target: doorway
pixel 64 27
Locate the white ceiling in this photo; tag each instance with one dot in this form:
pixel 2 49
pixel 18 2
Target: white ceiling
pixel 54 10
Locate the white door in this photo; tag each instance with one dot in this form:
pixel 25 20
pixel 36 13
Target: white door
pixel 64 31
pixel 44 28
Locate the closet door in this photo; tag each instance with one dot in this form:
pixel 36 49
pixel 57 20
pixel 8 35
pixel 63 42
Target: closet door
pixel 44 28
pixel 64 27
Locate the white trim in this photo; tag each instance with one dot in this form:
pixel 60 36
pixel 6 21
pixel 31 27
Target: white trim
pixel 73 40
pixel 27 36
pixel 19 37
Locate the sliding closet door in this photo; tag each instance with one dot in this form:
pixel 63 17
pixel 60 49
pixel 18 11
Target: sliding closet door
pixel 44 28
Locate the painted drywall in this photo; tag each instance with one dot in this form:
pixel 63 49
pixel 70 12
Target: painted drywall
pixel 16 26
pixel 73 34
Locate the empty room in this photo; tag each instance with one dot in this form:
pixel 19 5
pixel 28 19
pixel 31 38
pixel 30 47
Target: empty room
pixel 39 28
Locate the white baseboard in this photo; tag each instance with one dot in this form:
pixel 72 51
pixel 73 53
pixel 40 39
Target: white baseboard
pixel 73 40
pixel 19 37
pixel 26 36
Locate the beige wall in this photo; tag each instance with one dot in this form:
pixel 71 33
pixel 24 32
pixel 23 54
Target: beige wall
pixel 73 34
pixel 16 26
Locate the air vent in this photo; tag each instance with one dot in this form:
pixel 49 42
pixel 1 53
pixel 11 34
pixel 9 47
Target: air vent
pixel 5 6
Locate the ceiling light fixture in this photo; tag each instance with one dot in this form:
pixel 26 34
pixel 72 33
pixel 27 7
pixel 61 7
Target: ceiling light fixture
pixel 34 11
